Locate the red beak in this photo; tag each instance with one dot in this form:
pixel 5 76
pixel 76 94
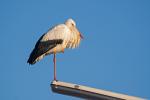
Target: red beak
pixel 81 36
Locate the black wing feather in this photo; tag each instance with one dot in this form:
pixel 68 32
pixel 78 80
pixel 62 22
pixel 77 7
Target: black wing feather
pixel 41 48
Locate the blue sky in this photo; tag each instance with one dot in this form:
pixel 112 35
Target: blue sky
pixel 114 55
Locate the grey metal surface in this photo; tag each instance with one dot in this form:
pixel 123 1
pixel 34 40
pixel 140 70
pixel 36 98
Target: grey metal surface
pixel 81 94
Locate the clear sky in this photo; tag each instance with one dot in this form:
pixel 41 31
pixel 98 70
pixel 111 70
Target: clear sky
pixel 114 55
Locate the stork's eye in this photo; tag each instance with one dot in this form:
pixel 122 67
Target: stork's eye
pixel 72 24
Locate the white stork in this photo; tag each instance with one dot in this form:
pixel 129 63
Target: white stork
pixel 55 41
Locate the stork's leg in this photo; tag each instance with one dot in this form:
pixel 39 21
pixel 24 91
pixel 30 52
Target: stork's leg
pixel 62 50
pixel 54 60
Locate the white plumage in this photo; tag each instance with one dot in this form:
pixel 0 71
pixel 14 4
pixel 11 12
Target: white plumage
pixel 56 40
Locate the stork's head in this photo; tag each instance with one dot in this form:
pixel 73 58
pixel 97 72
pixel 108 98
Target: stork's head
pixel 72 25
pixel 70 22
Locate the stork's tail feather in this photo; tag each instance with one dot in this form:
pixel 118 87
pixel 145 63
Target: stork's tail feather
pixel 32 59
pixel 34 56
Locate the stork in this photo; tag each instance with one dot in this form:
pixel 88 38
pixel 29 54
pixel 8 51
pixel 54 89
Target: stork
pixel 56 40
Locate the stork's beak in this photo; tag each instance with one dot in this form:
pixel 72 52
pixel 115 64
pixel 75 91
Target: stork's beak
pixel 81 35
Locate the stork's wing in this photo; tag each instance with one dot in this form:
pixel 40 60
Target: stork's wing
pixel 70 37
pixel 61 32
pixel 54 36
pixel 58 32
pixel 42 47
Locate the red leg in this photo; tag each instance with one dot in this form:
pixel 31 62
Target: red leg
pixel 54 60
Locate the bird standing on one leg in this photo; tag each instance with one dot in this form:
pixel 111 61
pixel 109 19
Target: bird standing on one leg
pixel 56 40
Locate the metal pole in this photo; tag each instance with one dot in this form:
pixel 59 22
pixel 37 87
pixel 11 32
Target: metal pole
pixel 88 92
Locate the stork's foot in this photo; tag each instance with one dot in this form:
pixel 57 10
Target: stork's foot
pixel 55 80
